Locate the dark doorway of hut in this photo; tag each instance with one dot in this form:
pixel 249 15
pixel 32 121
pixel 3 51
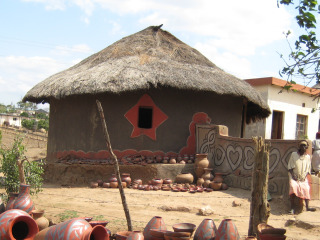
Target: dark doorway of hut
pixel 115 164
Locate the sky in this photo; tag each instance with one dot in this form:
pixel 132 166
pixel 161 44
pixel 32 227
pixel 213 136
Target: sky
pixel 39 38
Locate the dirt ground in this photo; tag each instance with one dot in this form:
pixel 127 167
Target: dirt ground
pixel 105 204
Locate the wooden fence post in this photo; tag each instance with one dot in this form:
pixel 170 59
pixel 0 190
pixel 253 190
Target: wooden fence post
pixel 259 208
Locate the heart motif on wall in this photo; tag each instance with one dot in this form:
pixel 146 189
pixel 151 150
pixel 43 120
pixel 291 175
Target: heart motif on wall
pixel 248 158
pixel 219 156
pixel 234 156
pixel 274 159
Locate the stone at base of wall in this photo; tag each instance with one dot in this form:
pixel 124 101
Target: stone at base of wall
pixel 83 174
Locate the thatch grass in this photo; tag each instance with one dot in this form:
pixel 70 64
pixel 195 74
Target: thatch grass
pixel 146 59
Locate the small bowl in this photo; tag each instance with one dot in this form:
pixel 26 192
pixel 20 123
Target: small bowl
pixel 122 235
pixel 184 227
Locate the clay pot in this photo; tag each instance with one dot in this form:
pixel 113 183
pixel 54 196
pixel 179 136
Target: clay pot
pixel 125 177
pixel 135 235
pixel 200 182
pixel 224 186
pixel 137 181
pixel 206 183
pixel 113 184
pixel 227 230
pixel 113 178
pixel 173 161
pixel 182 162
pixel 122 235
pixel 202 160
pixel 218 177
pixel 100 182
pixel 157 182
pixel 184 178
pixel 207 174
pixel 141 187
pixel 167 181
pixel 24 201
pixel 75 228
pixel 207 230
pixel 94 184
pixel 184 227
pixel 17 224
pixel 124 184
pixel 106 185
pixel 12 198
pixel 155 223
pixel 215 186
pixel 41 221
pixel 199 171
pixel 2 206
pixel 134 186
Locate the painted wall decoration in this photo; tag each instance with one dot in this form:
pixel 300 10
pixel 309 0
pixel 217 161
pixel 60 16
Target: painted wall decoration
pixel 103 157
pixel 235 157
pixel 157 117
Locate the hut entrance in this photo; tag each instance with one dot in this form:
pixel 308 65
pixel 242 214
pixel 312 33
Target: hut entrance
pixel 145 117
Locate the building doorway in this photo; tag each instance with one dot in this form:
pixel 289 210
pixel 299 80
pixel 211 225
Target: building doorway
pixel 277 125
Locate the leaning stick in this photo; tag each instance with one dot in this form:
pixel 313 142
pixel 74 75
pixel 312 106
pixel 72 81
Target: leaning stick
pixel 116 165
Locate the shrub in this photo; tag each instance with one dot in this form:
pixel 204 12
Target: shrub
pixel 33 170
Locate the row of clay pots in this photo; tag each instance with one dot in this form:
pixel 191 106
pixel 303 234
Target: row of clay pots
pixel 212 184
pixel 207 230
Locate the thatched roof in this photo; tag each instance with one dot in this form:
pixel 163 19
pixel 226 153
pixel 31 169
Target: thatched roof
pixel 150 58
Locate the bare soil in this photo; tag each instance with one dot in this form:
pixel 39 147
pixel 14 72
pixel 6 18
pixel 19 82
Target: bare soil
pixel 61 202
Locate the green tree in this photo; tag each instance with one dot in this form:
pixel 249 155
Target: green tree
pixel 33 170
pixel 28 124
pixel 41 116
pixel 304 59
pixel 3 108
pixel 43 123
pixel 24 114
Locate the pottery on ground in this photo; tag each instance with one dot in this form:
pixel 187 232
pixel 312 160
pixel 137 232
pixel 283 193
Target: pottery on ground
pixel 137 181
pixel 12 198
pixel 215 185
pixel 207 230
pixel 106 185
pixel 94 184
pixel 184 227
pixel 207 174
pixel 113 178
pixel 157 182
pixel 122 235
pixel 24 201
pixel 76 229
pixel 184 178
pixel 200 182
pixel 167 181
pixel 218 177
pixel 155 223
pixel 38 216
pixel 202 160
pixel 199 171
pixel 125 177
pixel 113 184
pixel 227 230
pixel 135 235
pixel 17 224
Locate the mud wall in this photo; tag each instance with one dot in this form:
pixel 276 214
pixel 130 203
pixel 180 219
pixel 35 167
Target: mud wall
pixel 235 157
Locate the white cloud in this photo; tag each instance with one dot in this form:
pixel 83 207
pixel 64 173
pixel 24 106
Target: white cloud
pixel 67 51
pixel 229 62
pixel 19 74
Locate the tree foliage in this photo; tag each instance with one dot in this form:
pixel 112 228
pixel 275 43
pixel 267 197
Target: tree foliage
pixel 28 124
pixel 304 59
pixel 33 170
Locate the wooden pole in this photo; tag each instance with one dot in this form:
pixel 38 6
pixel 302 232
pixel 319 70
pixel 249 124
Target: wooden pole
pixel 22 177
pixel 259 208
pixel 116 165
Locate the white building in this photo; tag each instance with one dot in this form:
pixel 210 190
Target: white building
pixel 13 120
pixel 292 115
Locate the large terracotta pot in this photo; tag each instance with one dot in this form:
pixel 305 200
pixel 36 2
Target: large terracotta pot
pixel 202 160
pixel 135 235
pixel 184 178
pixel 17 224
pixel 206 230
pixel 227 230
pixel 200 182
pixel 12 198
pixel 215 185
pixel 113 178
pixel 125 177
pixel 41 221
pixel 24 201
pixel 155 223
pixel 122 235
pixel 199 171
pixel 75 229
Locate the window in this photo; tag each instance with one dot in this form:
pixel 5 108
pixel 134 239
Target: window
pixel 14 119
pixel 145 117
pixel 301 127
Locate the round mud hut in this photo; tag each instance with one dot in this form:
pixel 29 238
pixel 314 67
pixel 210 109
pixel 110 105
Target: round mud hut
pixel 154 89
